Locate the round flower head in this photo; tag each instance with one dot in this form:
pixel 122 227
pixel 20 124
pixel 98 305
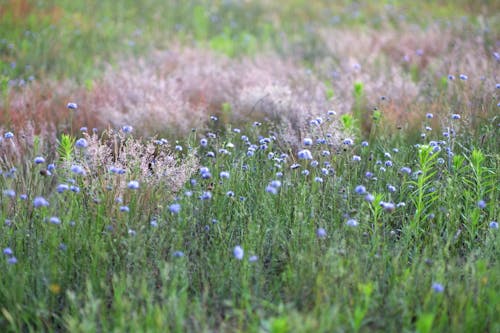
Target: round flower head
pixel 352 223
pixel 224 174
pixel 455 116
pixel 40 202
pixel 360 189
pixel 493 225
pixel 8 251
pixel 77 169
pixel 203 142
pixel 39 160
pixel 429 116
pixel 72 106
pixel 81 143
pixel 133 185
pixel 308 142
pixel 437 287
pixel 127 129
pixel 321 233
pixel 238 252
pixel 175 208
pixel 305 154
pixel 8 135
pixel 463 77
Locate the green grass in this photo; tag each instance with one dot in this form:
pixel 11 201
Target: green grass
pixel 111 270
pixel 417 252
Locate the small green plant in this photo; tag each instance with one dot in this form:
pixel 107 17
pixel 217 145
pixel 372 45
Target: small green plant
pixel 65 148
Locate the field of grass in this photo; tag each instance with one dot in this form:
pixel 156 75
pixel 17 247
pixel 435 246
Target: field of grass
pixel 249 166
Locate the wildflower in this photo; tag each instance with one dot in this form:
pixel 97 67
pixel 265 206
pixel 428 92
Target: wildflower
pixel 9 193
pixel 178 148
pixel 391 188
pixel 203 142
pixel 352 223
pixel 133 185
pixel 325 153
pixel 238 252
pixel 153 223
pixel 387 206
pixel 83 129
pixel 294 166
pixel 51 167
pixel 8 135
pixel 23 196
pixel 178 254
pixel 72 106
pixel 481 204
pixel 54 220
pixel 369 197
pixel 428 128
pixel 279 174
pixel 493 225
pixel 207 195
pixel 271 189
pixel 39 160
pixel 175 208
pixel 8 251
pixel 360 189
pixel 305 154
pixel 127 129
pixel 40 202
pixel 364 144
pixel 132 232
pixel 12 260
pixel 405 170
pixel 308 142
pixel 314 163
pixel 455 116
pixel 437 287
pixel 463 77
pixel 368 174
pixel 429 116
pixel 497 86
pixel 348 141
pixel 305 172
pixel 388 163
pixel 211 154
pixel 116 170
pixel 213 118
pixel 62 187
pixel 236 130
pixel 77 169
pixel 401 204
pixel 74 188
pixel 253 259
pixel 451 77
pixel 230 194
pixel 321 233
pixel 318 179
pixel 325 171
pixel 81 143
pixel 224 175
pixel 356 158
pixel 331 113
pixel 124 209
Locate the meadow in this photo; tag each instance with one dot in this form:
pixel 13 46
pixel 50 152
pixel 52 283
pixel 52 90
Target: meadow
pixel 249 166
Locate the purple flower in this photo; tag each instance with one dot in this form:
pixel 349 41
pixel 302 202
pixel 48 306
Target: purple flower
pixel 463 77
pixel 54 220
pixel 72 106
pixel 253 259
pixel 175 208
pixel 133 185
pixel 348 141
pixel 127 129
pixel 207 195
pixel 405 170
pixel 321 233
pixel 352 223
pixel 77 169
pixel 360 189
pixel 9 193
pixel 369 197
pixel 8 135
pixel 437 287
pixel 356 158
pixel 224 174
pixel 455 116
pixel 493 225
pixel 364 144
pixel 308 142
pixel 238 252
pixel 40 202
pixel 429 116
pixel 305 154
pixel 62 187
pixel 124 209
pixel 8 251
pixel 481 204
pixel 39 160
pixel 178 254
pixel 12 260
pixel 81 143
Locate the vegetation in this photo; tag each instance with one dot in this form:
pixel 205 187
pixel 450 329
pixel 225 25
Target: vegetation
pixel 243 166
